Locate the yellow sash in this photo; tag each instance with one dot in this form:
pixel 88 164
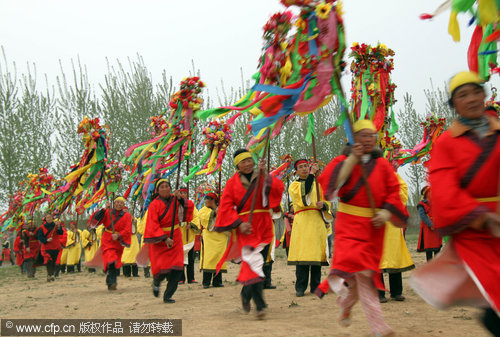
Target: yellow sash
pixel 255 211
pixel 165 229
pixel 490 199
pixel 356 210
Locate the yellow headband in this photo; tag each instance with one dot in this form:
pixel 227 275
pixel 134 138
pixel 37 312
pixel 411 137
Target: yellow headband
pixel 160 181
pixel 242 156
pixel 364 124
pixel 120 199
pixel 464 77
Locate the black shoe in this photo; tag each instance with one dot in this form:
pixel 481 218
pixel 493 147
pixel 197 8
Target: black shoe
pixel 382 300
pixel 156 291
pixel 168 300
pixel 112 286
pixel 299 293
pixel 218 286
pixel 270 286
pixel 399 298
pixel 206 286
pixel 193 281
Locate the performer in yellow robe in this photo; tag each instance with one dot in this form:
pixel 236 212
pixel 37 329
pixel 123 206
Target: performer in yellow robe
pixel 308 241
pixel 73 247
pixel 268 264
pixel 190 227
pixel 395 256
pixel 213 244
pixel 99 231
pixel 89 244
pixel 129 253
pixel 141 226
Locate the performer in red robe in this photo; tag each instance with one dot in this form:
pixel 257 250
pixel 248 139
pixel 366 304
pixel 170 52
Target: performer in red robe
pixel 31 248
pixel 115 237
pixel 428 239
pixel 19 249
pixel 359 230
pixel 464 176
pixel 63 252
pixel 165 247
pixel 251 241
pixel 48 234
pixel 6 256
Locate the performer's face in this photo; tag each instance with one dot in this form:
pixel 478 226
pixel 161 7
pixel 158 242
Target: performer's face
pixel 118 205
pixel 210 203
pixel 246 166
pixel 164 190
pixel 184 195
pixel 49 218
pixel 303 170
pixel 367 138
pixel 468 101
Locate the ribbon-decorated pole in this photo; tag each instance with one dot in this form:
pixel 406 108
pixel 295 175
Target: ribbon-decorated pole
pixel 259 178
pixel 107 198
pixel 175 201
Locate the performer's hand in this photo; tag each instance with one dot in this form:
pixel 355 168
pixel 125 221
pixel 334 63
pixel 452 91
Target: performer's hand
pixel 381 218
pixel 320 204
pixel 314 168
pixel 114 236
pixel 27 249
pixel 493 223
pixel 262 165
pixel 177 194
pixel 245 228
pixel 49 240
pixel 169 242
pixel 108 204
pixel 327 225
pixel 357 150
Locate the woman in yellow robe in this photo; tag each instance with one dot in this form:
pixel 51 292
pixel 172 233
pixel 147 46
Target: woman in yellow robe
pixel 308 241
pixel 89 245
pixel 141 226
pixel 213 243
pixel 129 253
pixel 190 227
pixel 73 247
pixel 395 256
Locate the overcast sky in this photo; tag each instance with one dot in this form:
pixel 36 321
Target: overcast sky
pixel 219 36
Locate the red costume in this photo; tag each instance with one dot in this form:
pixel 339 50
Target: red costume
pixel 464 185
pixel 122 223
pixel 62 240
pixel 18 249
pixel 234 209
pixel 158 229
pixel 358 244
pixel 31 240
pixel 428 239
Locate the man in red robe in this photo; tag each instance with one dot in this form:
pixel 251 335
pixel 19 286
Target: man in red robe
pixel 360 224
pixel 48 234
pixel 115 237
pixel 19 249
pixel 31 248
pixel 428 239
pixel 251 241
pixel 464 177
pixel 164 238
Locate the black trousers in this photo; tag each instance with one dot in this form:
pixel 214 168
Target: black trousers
pixel 429 254
pixel 268 268
pixel 29 267
pixel 173 278
pixel 147 272
pixel 302 277
pixel 51 263
pixel 255 290
pixel 130 270
pixel 211 277
pixel 111 274
pixel 189 268
pixel 492 322
pixel 395 285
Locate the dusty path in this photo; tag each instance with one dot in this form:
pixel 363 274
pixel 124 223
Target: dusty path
pixel 217 311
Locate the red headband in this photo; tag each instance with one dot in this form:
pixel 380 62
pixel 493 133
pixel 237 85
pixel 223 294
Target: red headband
pixel 300 161
pixel 212 195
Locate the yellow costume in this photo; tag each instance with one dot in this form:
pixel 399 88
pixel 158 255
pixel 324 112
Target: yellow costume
pixel 308 241
pixel 73 247
pixel 213 245
pixel 89 243
pixel 189 234
pixel 99 231
pixel 395 256
pixel 129 253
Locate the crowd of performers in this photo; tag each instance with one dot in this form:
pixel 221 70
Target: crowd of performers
pixel 368 239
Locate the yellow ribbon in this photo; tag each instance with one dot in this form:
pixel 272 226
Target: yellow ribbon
pixel 167 229
pixel 490 199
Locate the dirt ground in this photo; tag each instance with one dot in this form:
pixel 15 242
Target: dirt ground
pixel 217 311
